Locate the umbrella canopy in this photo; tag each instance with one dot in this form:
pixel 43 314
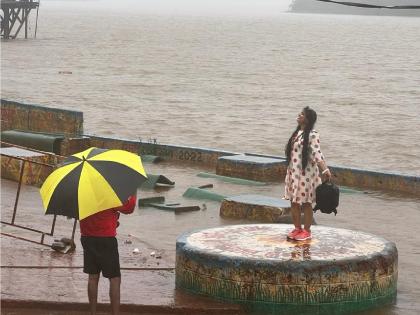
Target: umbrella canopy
pixel 92 181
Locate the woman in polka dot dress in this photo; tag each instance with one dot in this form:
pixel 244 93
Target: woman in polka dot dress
pixel 306 162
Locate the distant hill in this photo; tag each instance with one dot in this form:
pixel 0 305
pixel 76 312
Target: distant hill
pixel 312 6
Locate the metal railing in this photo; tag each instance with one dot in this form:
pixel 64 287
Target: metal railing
pixel 15 207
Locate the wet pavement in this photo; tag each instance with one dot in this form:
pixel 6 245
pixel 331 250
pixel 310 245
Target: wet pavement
pixel 37 280
pixel 37 277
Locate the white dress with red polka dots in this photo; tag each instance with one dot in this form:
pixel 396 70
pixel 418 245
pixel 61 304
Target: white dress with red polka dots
pixel 300 185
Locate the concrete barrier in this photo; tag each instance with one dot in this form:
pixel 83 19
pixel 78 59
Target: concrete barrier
pixel 255 207
pixel 247 166
pixel 29 117
pixel 264 169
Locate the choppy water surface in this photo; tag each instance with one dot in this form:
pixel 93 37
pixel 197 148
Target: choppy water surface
pixel 228 82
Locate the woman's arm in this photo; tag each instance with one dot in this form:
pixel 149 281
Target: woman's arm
pixel 325 171
pixel 317 155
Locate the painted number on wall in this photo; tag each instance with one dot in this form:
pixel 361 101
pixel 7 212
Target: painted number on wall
pixel 189 156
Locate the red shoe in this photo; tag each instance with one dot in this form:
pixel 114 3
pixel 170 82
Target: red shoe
pixel 303 236
pixel 292 234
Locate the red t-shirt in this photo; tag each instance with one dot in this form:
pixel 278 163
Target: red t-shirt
pixel 104 223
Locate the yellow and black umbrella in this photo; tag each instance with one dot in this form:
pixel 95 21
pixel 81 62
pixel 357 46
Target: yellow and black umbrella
pixel 92 181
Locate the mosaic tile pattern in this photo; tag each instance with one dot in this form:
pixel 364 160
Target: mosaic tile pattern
pixel 33 174
pixel 338 269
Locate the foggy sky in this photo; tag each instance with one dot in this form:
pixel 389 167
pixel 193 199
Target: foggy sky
pixel 229 7
pixel 182 7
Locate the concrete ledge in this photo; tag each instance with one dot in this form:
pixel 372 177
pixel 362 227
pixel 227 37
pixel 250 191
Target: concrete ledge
pixel 177 153
pixel 354 177
pixel 256 208
pixel 260 167
pixel 33 174
pixel 29 117
pixel 257 168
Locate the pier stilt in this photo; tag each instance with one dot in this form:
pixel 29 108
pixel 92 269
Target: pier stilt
pixel 15 15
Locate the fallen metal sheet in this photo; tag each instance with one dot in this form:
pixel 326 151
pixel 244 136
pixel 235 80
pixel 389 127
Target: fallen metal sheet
pixel 174 207
pixel 206 186
pixel 197 193
pixel 146 201
pixel 156 180
pixel 150 158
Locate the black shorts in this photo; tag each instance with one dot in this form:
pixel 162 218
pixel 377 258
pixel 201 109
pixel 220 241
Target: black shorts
pixel 101 254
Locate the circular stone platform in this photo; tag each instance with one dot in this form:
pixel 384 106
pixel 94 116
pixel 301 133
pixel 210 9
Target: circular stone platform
pixel 338 271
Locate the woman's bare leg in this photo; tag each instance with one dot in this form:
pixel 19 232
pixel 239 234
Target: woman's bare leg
pixel 296 213
pixel 309 215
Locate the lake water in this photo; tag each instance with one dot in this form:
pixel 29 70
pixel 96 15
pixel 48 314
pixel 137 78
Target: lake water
pixel 213 76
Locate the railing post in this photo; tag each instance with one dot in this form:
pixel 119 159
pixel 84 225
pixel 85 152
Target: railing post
pixel 22 167
pixel 74 230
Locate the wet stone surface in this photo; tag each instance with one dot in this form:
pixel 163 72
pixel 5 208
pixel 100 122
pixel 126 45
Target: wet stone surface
pixel 34 274
pixel 338 268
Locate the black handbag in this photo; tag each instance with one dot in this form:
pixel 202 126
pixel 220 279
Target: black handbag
pixel 327 197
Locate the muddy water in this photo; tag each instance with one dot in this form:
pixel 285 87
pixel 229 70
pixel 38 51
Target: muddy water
pixel 232 80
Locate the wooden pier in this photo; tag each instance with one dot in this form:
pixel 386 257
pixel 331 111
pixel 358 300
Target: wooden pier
pixel 15 16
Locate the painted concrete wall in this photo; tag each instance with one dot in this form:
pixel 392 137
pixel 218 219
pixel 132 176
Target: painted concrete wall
pixel 27 117
pixel 352 177
pixel 359 178
pixel 175 153
pixel 36 118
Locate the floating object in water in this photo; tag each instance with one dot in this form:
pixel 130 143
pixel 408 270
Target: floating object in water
pixel 232 180
pixel 65 72
pixel 136 251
